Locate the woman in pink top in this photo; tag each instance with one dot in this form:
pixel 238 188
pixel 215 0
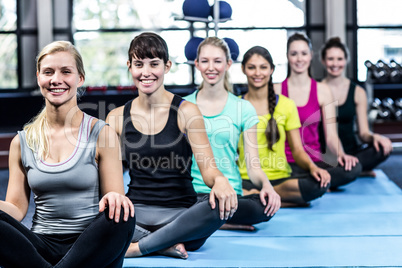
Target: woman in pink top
pixel 316 107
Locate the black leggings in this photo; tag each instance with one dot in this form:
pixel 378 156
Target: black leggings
pixel 191 226
pixel 369 158
pixel 250 210
pixel 309 187
pixel 102 244
pixel 339 176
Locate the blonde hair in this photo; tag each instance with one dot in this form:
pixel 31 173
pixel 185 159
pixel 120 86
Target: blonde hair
pixel 220 43
pixel 36 128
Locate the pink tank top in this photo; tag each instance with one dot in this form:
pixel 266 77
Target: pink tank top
pixel 310 119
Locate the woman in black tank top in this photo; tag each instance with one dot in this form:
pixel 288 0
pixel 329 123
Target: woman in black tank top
pixel 159 133
pixel 371 149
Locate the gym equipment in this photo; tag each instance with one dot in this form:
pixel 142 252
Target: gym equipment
pixel 395 75
pixel 234 48
pixel 377 111
pixel 388 104
pixel 377 74
pixel 190 50
pixel 398 103
pixel 398 109
pixel 225 10
pixel 196 8
pixel 384 70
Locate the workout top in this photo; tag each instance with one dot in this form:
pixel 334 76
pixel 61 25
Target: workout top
pixel 346 119
pixel 273 162
pixel 310 119
pixel 159 164
pixel 223 132
pixel 66 194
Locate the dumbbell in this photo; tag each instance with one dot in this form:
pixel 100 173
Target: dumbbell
pixel 377 74
pixel 398 108
pixel 389 104
pixel 395 75
pixel 377 111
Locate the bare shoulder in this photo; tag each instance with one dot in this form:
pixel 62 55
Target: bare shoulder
pixel 107 132
pixel 115 119
pixel 189 109
pixel 15 150
pixel 15 143
pixel 324 94
pixel 189 116
pixel 360 90
pixel 360 95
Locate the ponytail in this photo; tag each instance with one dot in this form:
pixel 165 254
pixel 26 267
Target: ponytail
pixel 272 131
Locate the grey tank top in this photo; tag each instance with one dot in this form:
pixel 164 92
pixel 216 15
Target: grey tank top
pixel 66 194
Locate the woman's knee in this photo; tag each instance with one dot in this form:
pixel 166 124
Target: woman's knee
pixel 311 189
pixel 354 172
pixel 204 208
pixel 124 226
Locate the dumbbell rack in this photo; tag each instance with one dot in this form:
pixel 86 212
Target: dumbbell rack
pixel 390 128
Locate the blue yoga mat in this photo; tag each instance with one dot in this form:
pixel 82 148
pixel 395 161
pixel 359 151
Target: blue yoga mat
pixel 360 225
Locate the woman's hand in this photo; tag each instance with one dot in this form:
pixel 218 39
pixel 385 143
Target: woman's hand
pixel 224 192
pixel 115 202
pixel 320 175
pixel 274 200
pixel 384 142
pixel 347 161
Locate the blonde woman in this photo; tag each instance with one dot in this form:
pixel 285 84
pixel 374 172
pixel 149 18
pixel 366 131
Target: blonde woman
pixel 226 116
pixel 70 161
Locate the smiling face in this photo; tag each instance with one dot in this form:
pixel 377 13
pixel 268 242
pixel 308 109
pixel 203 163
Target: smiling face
pixel 212 64
pixel 258 71
pixel 335 61
pixel 299 56
pixel 58 78
pixel 148 74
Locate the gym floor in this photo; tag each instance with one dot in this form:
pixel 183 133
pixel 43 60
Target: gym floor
pixel 359 226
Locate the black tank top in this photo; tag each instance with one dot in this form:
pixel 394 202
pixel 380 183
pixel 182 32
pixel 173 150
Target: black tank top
pixel 159 165
pixel 346 121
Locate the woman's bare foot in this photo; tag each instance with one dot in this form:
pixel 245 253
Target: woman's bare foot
pixel 242 227
pixel 176 251
pixel 133 251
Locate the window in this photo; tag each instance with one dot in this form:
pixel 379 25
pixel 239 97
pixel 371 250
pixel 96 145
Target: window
pixel 8 45
pixel 104 30
pixel 379 32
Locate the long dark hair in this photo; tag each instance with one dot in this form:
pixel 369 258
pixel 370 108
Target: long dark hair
pixel 299 37
pixel 271 132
